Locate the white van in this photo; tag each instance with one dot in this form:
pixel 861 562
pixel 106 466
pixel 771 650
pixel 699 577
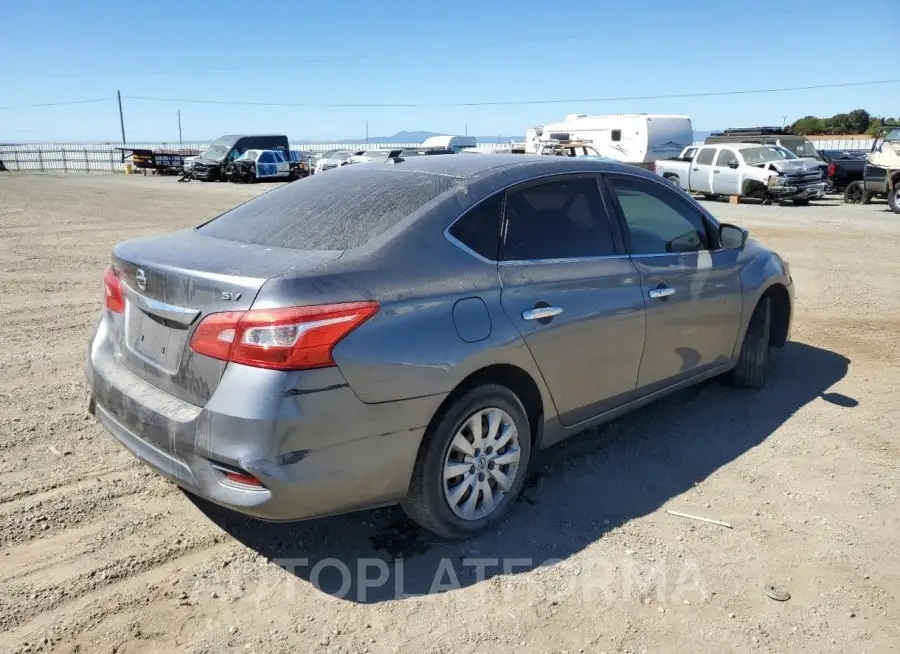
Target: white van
pixel 637 139
pixel 455 143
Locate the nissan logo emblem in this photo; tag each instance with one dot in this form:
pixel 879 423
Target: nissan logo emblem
pixel 141 278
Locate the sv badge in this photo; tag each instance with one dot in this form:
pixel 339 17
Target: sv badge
pixel 230 297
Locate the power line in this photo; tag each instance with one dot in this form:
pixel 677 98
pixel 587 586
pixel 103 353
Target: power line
pixel 54 104
pixel 498 103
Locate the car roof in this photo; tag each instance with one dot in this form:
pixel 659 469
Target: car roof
pixel 508 168
pixel 737 145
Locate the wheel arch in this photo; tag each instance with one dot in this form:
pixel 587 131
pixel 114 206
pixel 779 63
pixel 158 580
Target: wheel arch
pixel 781 309
pixel 517 380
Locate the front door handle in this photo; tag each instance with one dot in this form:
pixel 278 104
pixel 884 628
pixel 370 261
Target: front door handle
pixel 541 313
pixel 658 293
pixel 717 171
pixel 696 169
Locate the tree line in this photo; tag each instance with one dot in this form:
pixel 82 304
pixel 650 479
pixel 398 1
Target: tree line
pixel 858 121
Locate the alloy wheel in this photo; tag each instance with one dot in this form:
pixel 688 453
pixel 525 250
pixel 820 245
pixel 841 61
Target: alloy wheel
pixel 481 463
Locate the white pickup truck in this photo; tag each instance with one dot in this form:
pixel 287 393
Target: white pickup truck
pixel 744 169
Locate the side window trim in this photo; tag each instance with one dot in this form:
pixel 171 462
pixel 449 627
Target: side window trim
pixel 708 222
pixel 615 229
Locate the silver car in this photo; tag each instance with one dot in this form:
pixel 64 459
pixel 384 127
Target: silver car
pixel 413 332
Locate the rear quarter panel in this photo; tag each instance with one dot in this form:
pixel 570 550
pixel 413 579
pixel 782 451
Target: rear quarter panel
pixel 411 347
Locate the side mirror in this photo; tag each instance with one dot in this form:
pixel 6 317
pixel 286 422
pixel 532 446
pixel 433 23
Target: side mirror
pixel 732 237
pixel 733 165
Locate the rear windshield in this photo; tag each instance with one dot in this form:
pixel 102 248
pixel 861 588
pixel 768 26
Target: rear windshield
pixel 342 209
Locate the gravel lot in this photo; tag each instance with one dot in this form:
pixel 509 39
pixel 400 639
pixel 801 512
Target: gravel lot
pixel 101 555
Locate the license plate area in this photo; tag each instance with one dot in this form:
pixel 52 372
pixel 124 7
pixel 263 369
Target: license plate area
pixel 155 340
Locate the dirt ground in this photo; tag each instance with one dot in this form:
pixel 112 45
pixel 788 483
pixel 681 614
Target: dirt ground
pixel 99 554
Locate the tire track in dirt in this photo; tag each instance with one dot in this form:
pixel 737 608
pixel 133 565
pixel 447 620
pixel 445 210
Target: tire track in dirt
pixel 31 517
pixel 156 539
pixel 66 621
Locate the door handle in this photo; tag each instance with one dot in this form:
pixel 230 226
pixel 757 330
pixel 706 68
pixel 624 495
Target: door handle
pixel 696 169
pixel 541 313
pixel 717 171
pixel 657 293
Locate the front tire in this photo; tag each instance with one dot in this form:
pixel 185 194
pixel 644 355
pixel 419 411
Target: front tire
pixel 472 463
pixel 894 199
pixel 753 361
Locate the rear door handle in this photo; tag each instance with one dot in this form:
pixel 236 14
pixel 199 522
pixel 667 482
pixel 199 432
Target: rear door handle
pixel 717 171
pixel 657 293
pixel 541 313
pixel 696 169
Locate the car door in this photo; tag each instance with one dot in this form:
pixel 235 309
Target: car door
pixel 725 177
pixel 283 168
pixel 266 165
pixel 572 293
pixel 691 286
pixel 701 171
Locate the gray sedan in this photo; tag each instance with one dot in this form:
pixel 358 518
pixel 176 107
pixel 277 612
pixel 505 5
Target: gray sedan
pixel 413 332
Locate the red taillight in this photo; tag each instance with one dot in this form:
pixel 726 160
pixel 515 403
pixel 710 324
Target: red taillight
pixel 283 339
pixel 244 480
pixel 115 297
pixel 831 169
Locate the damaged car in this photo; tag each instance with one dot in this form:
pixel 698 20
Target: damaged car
pixel 259 165
pixel 216 161
pixel 750 170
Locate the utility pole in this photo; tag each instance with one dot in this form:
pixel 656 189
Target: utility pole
pixel 121 118
pixel 783 121
pixel 180 142
pixel 467 129
pixel 367 132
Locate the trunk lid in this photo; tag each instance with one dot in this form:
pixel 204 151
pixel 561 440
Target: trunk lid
pixel 171 283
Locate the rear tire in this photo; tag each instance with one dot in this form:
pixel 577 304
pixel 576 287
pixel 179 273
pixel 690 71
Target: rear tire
pixel 429 499
pixel 855 193
pixel 753 361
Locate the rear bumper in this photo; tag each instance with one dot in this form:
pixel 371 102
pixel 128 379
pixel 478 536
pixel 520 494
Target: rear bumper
pixel 317 449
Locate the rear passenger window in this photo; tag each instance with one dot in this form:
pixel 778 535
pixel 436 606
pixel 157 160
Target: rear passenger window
pixel 705 158
pixel 557 220
pixel 479 228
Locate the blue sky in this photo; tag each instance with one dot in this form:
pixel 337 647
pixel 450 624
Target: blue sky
pixel 424 51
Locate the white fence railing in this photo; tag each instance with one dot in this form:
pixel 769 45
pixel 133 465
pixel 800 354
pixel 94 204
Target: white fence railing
pixel 835 144
pixel 105 158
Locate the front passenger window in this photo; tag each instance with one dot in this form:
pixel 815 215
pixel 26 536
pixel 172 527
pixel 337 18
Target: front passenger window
pixel 726 158
pixel 658 221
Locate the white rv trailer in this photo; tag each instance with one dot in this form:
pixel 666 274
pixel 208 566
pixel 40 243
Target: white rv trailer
pixel 637 139
pixel 455 143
